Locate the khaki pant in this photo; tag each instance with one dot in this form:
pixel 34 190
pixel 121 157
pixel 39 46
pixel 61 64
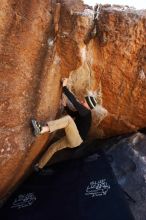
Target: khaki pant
pixel 71 139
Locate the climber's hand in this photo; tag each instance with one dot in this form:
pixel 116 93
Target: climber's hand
pixel 64 81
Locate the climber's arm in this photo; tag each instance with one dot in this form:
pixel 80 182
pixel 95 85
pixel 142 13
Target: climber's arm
pixel 78 106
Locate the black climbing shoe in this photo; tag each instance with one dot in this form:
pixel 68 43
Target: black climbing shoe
pixel 37 168
pixel 37 127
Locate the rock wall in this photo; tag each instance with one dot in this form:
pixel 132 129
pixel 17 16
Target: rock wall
pixel 102 50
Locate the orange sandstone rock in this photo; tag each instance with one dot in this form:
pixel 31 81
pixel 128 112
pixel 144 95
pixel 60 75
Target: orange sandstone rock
pixel 102 50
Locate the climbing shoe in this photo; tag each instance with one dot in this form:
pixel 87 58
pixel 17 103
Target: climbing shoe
pixel 37 127
pixel 37 168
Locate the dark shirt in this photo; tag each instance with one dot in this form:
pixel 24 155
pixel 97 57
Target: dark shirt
pixel 82 115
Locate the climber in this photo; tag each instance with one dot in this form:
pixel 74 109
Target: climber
pixel 76 124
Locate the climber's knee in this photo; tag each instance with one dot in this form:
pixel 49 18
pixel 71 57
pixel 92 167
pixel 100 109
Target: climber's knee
pixel 70 119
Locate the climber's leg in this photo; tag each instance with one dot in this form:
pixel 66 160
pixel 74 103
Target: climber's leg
pixel 72 138
pixel 65 122
pixel 58 145
pixel 72 133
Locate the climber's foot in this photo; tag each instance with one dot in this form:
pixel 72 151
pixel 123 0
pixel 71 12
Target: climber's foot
pixel 37 168
pixel 37 127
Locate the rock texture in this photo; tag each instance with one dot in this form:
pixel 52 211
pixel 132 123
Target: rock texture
pixel 129 165
pixel 102 50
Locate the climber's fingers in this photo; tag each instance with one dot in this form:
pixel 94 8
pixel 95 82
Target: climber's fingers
pixel 64 81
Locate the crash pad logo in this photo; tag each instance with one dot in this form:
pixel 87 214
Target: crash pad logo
pixel 24 200
pixel 97 188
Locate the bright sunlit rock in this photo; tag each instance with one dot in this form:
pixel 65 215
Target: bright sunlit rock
pixel 138 4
